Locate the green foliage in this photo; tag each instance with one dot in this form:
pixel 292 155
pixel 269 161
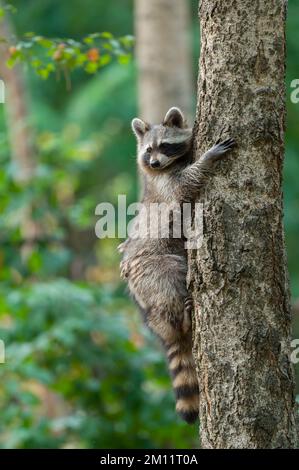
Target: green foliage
pixel 5 8
pixel 78 372
pixel 47 55
pixel 80 369
pixel 79 375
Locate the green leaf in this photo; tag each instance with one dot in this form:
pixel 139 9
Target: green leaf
pixel 88 40
pixel 81 59
pixel 35 62
pixel 35 261
pixel 91 67
pixel 44 42
pixel 124 59
pixel 43 73
pixel 13 59
pixel 29 34
pixel 127 41
pixel 106 35
pixel 104 60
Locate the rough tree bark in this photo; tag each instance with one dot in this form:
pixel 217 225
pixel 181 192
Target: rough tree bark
pixel 163 53
pixel 239 275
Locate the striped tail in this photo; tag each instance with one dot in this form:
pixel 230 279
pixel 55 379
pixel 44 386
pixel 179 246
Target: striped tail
pixel 184 380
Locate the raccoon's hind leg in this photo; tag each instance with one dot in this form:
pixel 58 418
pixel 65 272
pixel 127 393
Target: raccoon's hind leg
pixel 159 287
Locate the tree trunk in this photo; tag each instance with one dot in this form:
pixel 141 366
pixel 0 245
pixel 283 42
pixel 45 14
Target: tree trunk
pixel 19 131
pixel 163 53
pixel 239 276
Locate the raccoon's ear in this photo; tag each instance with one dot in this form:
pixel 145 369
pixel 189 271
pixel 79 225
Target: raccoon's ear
pixel 174 118
pixel 139 127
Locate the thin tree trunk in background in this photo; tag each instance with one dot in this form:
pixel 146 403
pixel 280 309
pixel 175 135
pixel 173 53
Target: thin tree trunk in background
pixel 239 276
pixel 19 132
pixel 163 50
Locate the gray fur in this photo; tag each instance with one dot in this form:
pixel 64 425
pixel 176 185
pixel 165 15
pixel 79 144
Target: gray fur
pixel 156 268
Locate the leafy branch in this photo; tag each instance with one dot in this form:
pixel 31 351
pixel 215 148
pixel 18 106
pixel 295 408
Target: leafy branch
pixel 47 55
pixel 63 55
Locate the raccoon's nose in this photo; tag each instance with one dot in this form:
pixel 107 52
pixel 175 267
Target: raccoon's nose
pixel 155 164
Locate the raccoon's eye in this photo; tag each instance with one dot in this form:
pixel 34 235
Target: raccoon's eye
pixel 149 149
pixel 167 149
pixel 172 150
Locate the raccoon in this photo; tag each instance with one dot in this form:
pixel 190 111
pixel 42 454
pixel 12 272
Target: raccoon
pixel 155 268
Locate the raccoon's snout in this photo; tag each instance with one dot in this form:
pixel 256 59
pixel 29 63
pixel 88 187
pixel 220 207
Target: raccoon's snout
pixel 155 164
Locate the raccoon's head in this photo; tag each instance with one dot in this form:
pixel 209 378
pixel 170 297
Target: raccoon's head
pixel 159 146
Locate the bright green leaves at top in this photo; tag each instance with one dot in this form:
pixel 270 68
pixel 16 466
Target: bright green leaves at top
pixel 47 55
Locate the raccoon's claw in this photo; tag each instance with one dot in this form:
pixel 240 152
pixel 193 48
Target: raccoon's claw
pixel 219 150
pixel 121 247
pixel 189 304
pixel 124 270
pixel 188 308
pixel 228 143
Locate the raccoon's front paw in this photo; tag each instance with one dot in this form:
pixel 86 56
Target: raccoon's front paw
pixel 220 149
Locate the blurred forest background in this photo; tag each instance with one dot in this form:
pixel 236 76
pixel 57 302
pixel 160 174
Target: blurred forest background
pixel 81 371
